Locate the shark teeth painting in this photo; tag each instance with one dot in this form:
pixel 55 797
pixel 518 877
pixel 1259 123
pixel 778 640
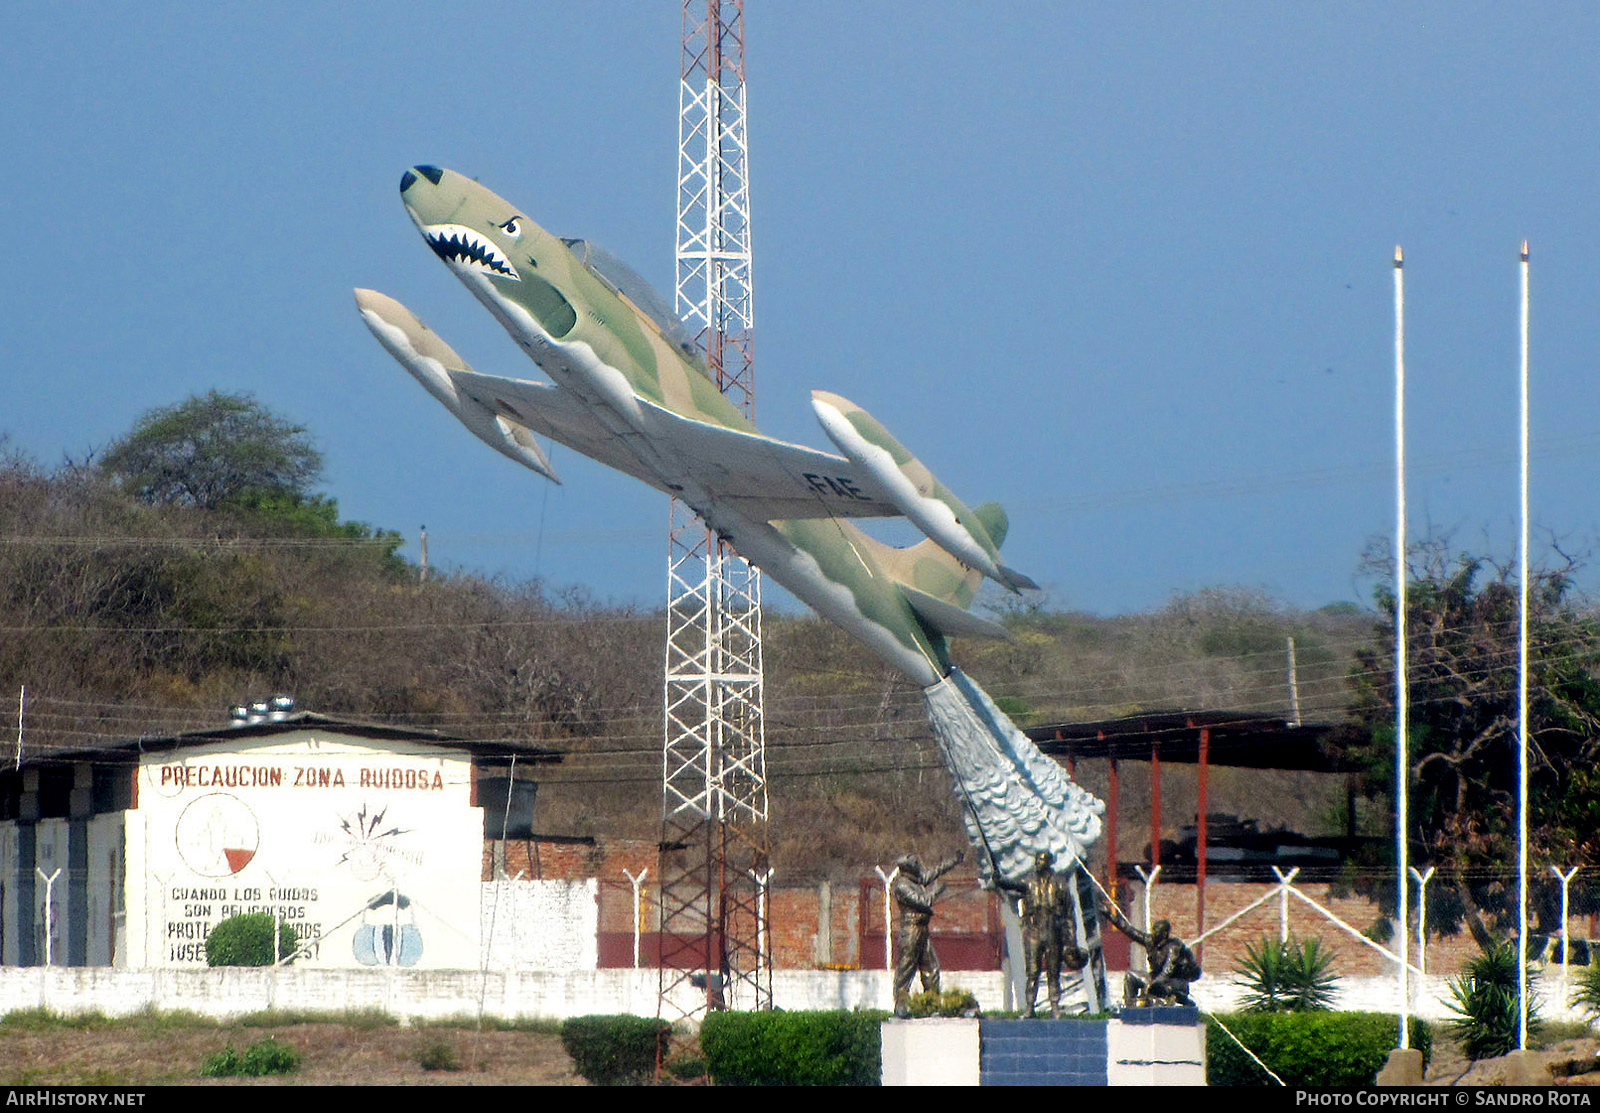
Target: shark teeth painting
pixel 462 247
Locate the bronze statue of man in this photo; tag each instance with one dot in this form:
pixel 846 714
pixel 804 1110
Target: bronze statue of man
pixel 1172 964
pixel 1048 934
pixel 914 892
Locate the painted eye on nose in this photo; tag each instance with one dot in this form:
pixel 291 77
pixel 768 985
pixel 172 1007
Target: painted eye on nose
pixel 513 228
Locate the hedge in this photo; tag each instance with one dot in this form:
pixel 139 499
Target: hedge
pixel 615 1050
pixel 793 1048
pixel 1311 1049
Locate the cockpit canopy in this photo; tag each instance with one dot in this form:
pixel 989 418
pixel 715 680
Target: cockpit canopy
pixel 626 281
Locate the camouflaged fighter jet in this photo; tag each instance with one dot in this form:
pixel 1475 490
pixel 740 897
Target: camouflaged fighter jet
pixel 628 388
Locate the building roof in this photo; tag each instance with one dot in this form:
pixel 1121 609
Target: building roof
pixel 131 750
pixel 1238 738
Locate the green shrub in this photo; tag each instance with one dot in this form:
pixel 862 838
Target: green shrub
pixel 260 1059
pixel 952 1002
pixel 247 941
pixel 1308 1049
pixel 1284 976
pixel 615 1050
pixel 1484 999
pixel 793 1048
pixel 437 1054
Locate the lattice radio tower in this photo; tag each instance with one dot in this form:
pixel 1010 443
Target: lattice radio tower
pixel 713 864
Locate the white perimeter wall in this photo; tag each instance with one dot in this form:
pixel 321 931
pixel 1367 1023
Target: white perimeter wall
pixel 527 993
pixel 410 993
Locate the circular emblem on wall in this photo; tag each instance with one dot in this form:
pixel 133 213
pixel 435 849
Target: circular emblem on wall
pixel 217 835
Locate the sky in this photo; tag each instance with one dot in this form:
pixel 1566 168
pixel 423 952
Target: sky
pixel 1125 268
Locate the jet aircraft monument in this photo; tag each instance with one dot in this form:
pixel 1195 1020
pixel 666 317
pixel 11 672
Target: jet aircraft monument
pixel 627 386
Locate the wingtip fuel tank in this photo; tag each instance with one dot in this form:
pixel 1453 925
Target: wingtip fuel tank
pixel 913 489
pixel 430 360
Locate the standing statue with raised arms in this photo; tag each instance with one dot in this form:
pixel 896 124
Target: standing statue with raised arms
pixel 1048 935
pixel 914 892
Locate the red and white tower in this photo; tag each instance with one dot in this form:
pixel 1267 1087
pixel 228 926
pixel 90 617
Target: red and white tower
pixel 713 870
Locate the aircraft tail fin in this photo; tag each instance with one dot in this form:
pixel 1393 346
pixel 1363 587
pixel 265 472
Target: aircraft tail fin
pixel 939 588
pixel 994 520
pixel 992 516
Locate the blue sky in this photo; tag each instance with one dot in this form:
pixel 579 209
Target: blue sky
pixel 1124 268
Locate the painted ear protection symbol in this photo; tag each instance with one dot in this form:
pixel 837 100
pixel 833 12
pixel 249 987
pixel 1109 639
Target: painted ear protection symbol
pixel 387 942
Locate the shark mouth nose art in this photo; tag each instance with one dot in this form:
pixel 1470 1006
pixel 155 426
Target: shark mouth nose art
pixel 462 247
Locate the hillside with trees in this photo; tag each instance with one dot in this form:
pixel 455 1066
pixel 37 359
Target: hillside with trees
pixel 195 565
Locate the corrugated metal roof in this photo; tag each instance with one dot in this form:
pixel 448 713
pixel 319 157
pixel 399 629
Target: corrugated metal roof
pixel 486 752
pixel 1238 738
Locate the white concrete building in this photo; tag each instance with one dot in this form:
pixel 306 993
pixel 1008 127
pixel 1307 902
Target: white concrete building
pixel 367 840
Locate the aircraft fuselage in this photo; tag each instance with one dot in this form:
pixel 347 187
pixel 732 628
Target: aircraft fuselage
pixel 597 345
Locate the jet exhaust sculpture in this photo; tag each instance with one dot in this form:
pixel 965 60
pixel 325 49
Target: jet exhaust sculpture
pixel 628 388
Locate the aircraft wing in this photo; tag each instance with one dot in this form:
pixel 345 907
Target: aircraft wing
pixel 555 413
pixel 760 477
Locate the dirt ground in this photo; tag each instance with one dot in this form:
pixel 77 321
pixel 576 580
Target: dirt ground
pixel 331 1055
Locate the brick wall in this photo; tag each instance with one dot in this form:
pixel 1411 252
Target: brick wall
pixel 967 923
pixel 569 860
pixel 1222 951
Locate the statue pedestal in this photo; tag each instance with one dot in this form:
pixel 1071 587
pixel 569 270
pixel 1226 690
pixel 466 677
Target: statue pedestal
pixel 1163 1046
pixel 932 1052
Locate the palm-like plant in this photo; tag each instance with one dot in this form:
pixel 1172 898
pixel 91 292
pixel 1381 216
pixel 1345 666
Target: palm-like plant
pixel 1282 976
pixel 1587 993
pixel 1484 999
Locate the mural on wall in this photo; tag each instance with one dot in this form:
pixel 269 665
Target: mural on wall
pixel 362 848
pixel 371 849
pixel 217 835
pixel 386 942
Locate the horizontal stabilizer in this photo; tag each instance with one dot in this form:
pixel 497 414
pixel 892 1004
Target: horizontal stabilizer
pixel 992 517
pixel 950 620
pixel 1016 581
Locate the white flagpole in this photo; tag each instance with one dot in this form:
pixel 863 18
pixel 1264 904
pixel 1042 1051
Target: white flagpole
pixel 1401 756
pixel 1522 698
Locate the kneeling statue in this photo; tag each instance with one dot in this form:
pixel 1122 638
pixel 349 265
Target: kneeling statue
pixel 1172 964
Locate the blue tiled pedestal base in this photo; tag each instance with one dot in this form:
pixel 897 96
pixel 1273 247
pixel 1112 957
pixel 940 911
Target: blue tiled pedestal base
pixel 1043 1052
pixel 1142 1047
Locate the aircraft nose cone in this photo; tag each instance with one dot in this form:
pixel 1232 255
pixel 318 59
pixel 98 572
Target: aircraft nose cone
pixel 409 178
